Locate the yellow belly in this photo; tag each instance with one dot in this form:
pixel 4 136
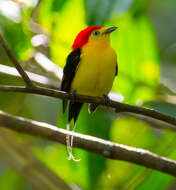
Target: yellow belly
pixel 96 71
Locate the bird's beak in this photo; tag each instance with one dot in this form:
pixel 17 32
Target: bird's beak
pixel 109 30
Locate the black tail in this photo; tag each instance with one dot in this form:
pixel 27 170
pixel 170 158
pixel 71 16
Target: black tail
pixel 74 110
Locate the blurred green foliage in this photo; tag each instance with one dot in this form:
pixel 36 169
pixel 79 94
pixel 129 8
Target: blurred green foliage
pixel 20 43
pixel 138 46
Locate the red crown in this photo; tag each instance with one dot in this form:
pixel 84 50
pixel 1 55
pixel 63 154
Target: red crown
pixel 83 37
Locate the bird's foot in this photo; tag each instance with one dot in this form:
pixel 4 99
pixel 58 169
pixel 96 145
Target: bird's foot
pixel 107 100
pixel 73 96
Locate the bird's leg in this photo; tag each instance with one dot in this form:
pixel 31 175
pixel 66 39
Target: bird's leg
pixel 107 100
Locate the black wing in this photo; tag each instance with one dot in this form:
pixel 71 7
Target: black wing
pixel 72 62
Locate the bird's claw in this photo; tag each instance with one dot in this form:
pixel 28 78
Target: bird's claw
pixel 73 96
pixel 107 100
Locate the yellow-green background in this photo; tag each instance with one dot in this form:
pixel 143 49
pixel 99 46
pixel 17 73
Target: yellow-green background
pixel 145 45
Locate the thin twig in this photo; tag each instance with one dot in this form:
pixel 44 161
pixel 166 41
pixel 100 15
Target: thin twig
pixel 11 72
pixel 92 144
pixel 119 107
pixel 16 63
pixel 48 66
pixel 158 124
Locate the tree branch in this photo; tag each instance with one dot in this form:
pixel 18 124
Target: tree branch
pixel 49 83
pixel 92 144
pixel 119 107
pixel 15 62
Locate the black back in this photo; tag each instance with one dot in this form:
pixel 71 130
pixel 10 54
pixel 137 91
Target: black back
pixel 72 62
pixel 69 71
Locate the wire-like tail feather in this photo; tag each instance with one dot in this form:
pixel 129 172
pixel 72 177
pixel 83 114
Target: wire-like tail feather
pixel 92 108
pixel 74 110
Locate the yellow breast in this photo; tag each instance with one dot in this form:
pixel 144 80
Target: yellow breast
pixel 96 71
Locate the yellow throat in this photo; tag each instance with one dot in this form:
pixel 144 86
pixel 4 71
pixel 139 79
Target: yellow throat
pixel 97 67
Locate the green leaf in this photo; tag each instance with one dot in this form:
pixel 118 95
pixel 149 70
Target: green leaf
pixel 155 181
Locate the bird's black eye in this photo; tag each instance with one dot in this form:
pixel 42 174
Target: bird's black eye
pixel 96 33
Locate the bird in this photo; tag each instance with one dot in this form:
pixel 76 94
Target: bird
pixel 90 70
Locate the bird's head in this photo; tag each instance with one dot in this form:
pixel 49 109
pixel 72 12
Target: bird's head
pixel 93 35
